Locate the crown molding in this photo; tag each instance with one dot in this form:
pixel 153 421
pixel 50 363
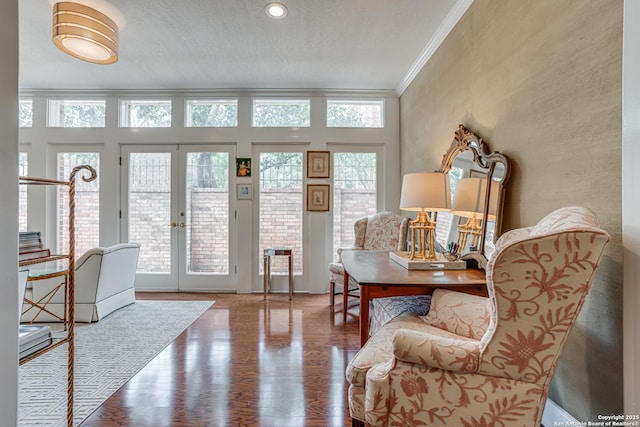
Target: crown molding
pixel 449 22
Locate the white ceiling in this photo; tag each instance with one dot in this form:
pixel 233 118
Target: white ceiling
pixel 232 44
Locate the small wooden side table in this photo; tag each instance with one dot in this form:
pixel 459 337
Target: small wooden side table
pixel 271 252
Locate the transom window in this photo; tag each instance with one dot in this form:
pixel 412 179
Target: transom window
pixel 355 113
pixel 25 113
pixel 281 113
pixel 77 113
pixel 211 113
pixel 145 113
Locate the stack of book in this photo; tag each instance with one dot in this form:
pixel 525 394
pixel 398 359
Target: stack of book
pixel 30 246
pixel 33 338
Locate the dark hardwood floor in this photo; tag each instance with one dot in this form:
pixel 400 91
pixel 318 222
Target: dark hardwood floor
pixel 244 362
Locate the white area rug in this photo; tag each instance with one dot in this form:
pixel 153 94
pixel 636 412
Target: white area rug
pixel 108 354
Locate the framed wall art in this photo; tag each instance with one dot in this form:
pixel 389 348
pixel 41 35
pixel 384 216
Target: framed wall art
pixel 243 166
pixel 318 164
pixel 244 192
pixel 318 197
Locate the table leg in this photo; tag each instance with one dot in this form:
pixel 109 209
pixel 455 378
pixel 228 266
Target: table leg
pixel 265 273
pixel 364 315
pixel 290 277
pixel 345 290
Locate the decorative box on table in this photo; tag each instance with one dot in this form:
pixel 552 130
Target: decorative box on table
pixel 440 263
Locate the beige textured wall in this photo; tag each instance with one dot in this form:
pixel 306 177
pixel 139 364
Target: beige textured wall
pixel 540 81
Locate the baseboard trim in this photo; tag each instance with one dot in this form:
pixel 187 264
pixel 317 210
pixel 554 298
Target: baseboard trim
pixel 555 415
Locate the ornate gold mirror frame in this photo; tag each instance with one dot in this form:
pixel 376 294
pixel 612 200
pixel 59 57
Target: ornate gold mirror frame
pixel 470 157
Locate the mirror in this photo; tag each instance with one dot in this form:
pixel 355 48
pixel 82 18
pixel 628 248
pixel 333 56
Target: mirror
pixel 471 228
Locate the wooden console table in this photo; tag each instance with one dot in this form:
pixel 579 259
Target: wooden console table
pixel 378 276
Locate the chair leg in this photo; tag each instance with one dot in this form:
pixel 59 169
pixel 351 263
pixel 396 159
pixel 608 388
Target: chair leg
pixel 332 291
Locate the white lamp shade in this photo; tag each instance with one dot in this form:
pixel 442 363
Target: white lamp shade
pixel 425 190
pixel 469 197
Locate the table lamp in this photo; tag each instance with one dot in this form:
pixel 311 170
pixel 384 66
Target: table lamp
pixel 468 202
pixel 424 192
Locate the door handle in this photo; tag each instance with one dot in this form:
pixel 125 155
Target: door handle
pixel 173 225
pixel 182 225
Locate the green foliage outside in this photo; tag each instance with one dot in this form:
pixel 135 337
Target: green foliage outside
pixel 281 170
pixel 83 115
pixel 25 114
pixel 208 170
pixel 214 115
pixel 282 115
pixel 355 171
pixel 150 115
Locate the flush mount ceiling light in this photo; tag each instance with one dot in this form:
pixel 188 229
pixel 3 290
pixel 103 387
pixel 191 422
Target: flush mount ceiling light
pixel 276 10
pixel 85 33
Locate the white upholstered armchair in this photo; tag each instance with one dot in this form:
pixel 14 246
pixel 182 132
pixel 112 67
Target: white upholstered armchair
pixel 383 231
pixel 475 361
pixel 104 282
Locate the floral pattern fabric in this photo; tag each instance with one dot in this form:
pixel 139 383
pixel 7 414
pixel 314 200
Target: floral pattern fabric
pixel 463 314
pixel 384 231
pixel 537 281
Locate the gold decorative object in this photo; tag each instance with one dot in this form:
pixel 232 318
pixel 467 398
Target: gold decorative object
pixel 469 201
pixel 422 192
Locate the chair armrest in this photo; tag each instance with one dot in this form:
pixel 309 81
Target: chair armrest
pixel 347 248
pixel 447 353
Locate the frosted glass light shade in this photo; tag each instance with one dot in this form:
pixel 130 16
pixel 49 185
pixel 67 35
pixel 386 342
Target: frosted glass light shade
pixel 425 190
pixel 469 197
pixel 85 33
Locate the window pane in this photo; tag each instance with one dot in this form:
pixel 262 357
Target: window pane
pixel 87 203
pixel 77 114
pixel 145 114
pixel 150 210
pixel 26 113
pixel 22 194
pixel 354 194
pixel 211 113
pixel 445 230
pixel 281 208
pixel 207 213
pixel 281 113
pixel 355 114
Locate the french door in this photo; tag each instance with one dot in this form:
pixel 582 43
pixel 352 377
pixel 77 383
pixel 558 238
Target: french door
pixel 176 203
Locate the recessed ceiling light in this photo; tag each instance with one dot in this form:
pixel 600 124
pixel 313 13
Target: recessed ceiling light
pixel 275 10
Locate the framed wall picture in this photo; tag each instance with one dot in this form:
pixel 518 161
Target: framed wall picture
pixel 318 164
pixel 318 197
pixel 244 192
pixel 243 166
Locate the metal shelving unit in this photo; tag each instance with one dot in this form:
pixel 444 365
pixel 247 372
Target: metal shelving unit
pixel 88 174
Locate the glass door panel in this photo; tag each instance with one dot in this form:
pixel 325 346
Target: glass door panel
pixel 150 218
pixel 178 208
pixel 207 213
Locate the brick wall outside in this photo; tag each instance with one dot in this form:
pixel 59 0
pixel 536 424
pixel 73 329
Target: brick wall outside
pixel 281 226
pixel 208 241
pixel 350 205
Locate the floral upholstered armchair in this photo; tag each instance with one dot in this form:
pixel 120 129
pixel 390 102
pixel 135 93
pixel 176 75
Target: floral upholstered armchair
pixel 383 231
pixel 474 361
